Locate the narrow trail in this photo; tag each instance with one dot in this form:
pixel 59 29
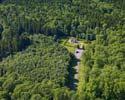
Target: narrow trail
pixel 75 69
pixel 78 55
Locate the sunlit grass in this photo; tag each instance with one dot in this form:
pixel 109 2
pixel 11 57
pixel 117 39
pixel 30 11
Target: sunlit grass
pixel 71 46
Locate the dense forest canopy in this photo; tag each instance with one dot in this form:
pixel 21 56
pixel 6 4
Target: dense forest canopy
pixel 34 66
pixel 44 62
pixel 56 19
pixel 105 60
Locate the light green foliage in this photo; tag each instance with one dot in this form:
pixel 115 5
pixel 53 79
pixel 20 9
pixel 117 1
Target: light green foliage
pixel 105 76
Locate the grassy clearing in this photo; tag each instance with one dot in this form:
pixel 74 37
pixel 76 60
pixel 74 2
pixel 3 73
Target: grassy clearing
pixel 84 42
pixel 70 46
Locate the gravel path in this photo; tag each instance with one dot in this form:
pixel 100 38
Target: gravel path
pixel 78 54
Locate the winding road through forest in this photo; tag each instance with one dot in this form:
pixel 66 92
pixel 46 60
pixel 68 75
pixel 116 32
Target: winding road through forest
pixel 74 75
pixel 78 55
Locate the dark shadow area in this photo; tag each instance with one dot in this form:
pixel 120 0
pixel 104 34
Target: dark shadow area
pixel 71 83
pixel 1 30
pixel 22 43
pixel 1 1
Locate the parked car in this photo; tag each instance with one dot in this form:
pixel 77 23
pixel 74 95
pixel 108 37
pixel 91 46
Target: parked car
pixel 77 51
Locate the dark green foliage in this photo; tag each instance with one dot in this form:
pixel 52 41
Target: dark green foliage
pixel 43 61
pixel 58 18
pixel 34 67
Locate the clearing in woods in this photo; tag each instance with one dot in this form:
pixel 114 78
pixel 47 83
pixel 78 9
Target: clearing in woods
pixel 75 63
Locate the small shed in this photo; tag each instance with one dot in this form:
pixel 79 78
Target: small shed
pixel 73 40
pixel 81 46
